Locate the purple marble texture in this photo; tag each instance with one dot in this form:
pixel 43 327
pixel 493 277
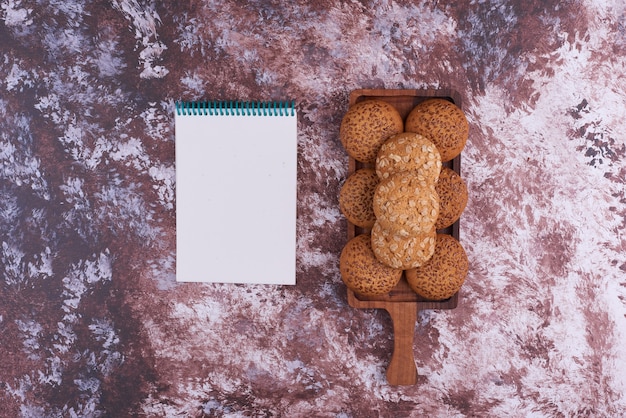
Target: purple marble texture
pixel 92 322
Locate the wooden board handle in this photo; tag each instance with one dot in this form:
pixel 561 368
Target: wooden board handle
pixel 402 370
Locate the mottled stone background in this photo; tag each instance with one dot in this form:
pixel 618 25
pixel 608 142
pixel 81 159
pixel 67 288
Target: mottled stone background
pixel 92 322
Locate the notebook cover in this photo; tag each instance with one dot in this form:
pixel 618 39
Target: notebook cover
pixel 236 183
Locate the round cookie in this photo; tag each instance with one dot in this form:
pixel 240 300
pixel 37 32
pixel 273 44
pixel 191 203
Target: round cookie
pixel 366 125
pixel 406 204
pixel 408 151
pixel 443 123
pixel 362 272
pixel 444 274
pixel 402 251
pixel 452 192
pixel 356 197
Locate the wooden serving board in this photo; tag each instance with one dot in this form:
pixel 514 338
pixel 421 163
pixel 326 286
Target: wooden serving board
pixel 402 303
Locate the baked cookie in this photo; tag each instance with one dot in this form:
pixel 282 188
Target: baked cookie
pixel 402 251
pixel 366 125
pixel 362 272
pixel 356 197
pixel 406 204
pixel 443 123
pixel 444 274
pixel 452 192
pixel 408 151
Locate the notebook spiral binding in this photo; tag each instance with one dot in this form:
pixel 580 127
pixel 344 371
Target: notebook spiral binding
pixel 236 108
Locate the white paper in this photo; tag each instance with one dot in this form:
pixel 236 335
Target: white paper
pixel 236 183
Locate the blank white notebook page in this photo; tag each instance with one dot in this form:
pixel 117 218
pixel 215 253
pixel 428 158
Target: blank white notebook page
pixel 236 190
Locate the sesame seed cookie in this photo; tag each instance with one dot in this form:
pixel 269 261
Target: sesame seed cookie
pixel 444 274
pixel 356 197
pixel 443 123
pixel 366 125
pixel 362 272
pixel 452 192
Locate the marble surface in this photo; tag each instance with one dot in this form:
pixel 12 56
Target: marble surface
pixel 92 322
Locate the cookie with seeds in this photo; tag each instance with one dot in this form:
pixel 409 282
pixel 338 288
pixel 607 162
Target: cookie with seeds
pixel 356 197
pixel 444 274
pixel 452 192
pixel 409 151
pixel 443 123
pixel 366 125
pixel 362 272
pixel 406 204
pixel 402 251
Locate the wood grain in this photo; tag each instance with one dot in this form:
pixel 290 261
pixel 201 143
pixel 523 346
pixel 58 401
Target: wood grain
pixel 402 369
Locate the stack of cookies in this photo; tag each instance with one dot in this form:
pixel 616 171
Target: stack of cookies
pixel 401 196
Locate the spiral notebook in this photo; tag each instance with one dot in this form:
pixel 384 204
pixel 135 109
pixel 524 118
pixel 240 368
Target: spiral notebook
pixel 236 180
